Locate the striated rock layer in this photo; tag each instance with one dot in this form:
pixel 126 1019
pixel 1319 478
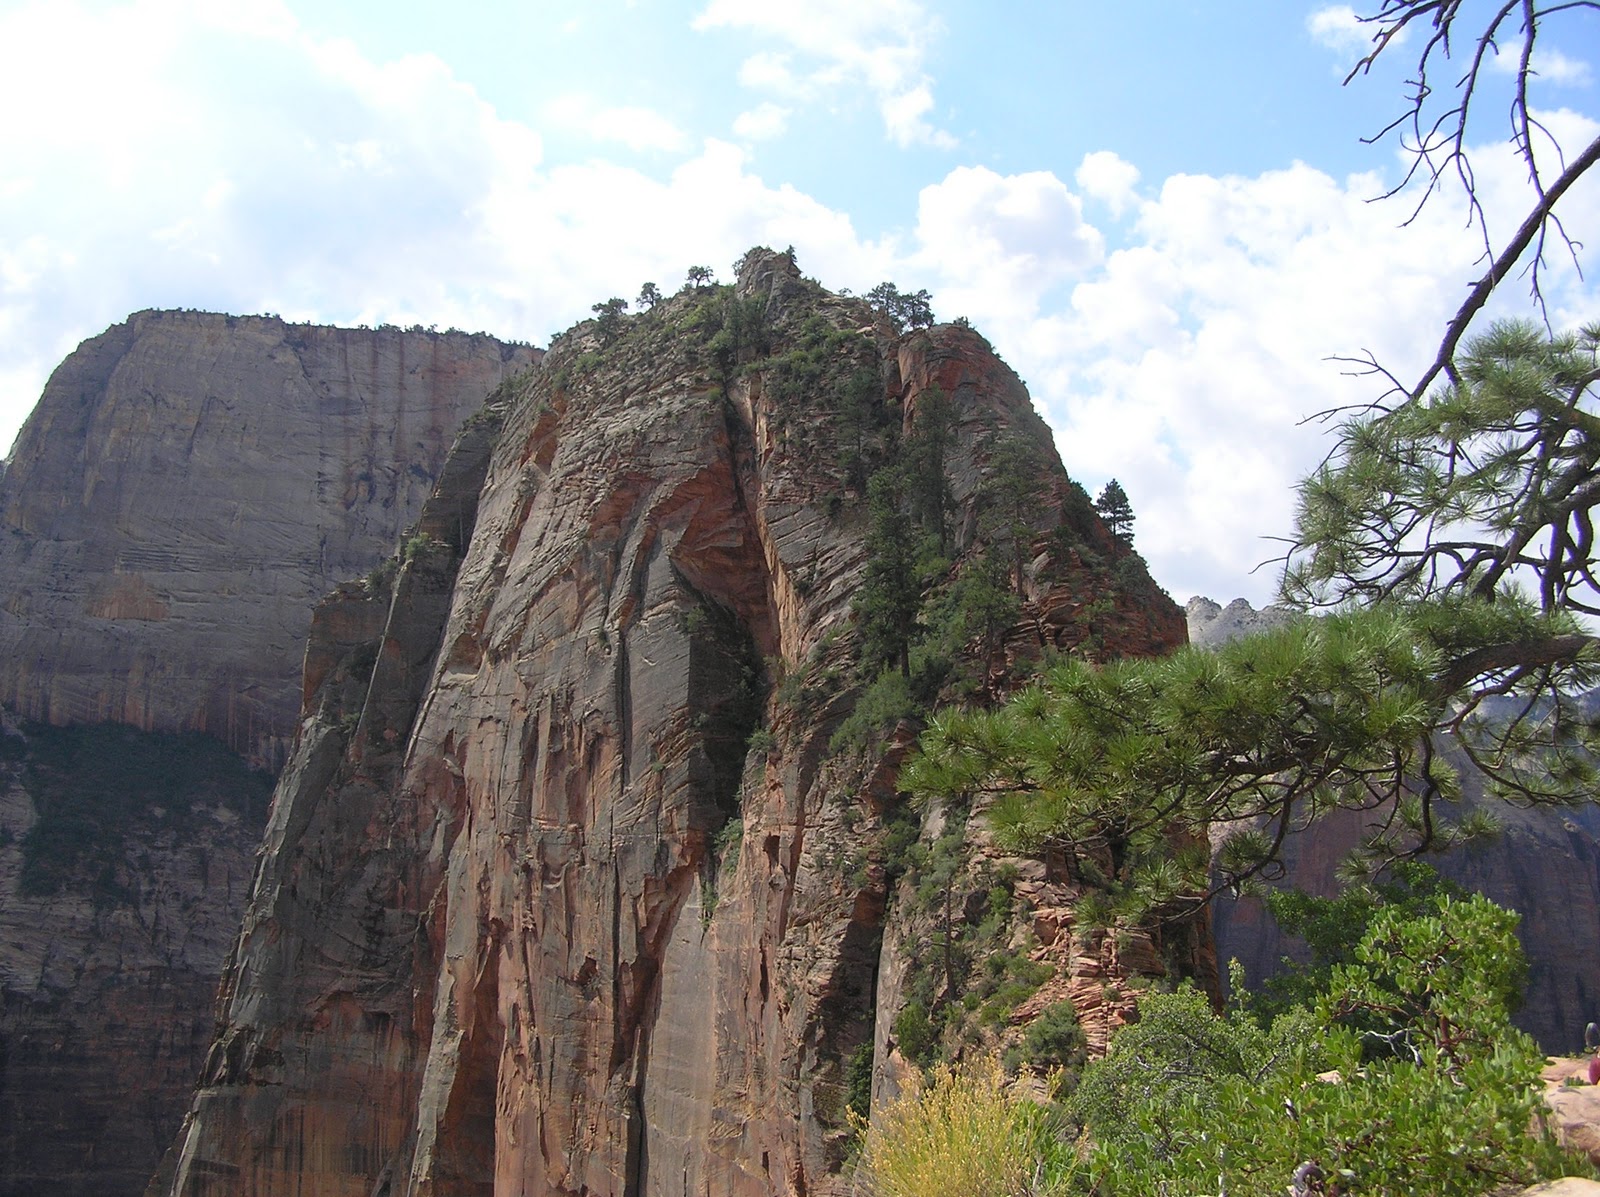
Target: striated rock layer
pixel 564 891
pixel 188 487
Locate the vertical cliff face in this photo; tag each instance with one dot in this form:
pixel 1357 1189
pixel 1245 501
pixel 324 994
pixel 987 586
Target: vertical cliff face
pixel 112 935
pixel 591 905
pixel 189 486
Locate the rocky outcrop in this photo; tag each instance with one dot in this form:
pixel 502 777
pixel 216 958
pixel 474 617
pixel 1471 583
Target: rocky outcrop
pixel 186 490
pixel 1574 1105
pixel 604 916
pixel 1210 623
pixel 1544 864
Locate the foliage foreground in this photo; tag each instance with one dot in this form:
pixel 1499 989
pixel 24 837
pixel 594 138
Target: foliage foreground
pixel 1400 1074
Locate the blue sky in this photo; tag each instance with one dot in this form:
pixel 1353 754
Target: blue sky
pixel 1158 212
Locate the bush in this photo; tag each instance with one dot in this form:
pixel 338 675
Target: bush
pixel 1406 1077
pixel 964 1133
pixel 913 1031
pixel 1436 1091
pixel 1053 1041
pixel 881 706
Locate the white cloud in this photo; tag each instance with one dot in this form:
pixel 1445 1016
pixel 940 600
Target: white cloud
pixel 1339 28
pixel 637 128
pixel 762 123
pixel 1109 179
pixel 1550 66
pixel 274 172
pixel 271 171
pixel 879 46
pixel 1002 242
pixel 1185 362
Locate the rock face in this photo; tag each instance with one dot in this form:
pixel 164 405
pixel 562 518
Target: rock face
pixel 1211 623
pixel 187 487
pixel 110 947
pixel 564 890
pixel 1545 864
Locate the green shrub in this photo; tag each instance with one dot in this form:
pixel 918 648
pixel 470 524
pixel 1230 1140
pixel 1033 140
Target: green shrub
pixel 728 840
pixel 858 1081
pixel 419 542
pixel 881 706
pixel 1053 1043
pixel 914 1032
pixel 1435 1093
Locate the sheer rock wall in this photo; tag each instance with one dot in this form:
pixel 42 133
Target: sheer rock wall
pixel 189 486
pixel 511 943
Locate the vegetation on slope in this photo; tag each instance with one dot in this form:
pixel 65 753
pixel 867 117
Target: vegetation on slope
pixel 1396 1071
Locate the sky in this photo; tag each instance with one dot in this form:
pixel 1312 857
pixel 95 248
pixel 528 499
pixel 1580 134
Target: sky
pixel 1162 213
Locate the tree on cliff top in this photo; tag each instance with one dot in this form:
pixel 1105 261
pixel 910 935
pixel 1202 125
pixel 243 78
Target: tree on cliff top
pixel 1451 533
pixel 903 310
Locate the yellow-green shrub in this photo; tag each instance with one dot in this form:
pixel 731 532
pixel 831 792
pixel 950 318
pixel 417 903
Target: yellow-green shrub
pixel 966 1132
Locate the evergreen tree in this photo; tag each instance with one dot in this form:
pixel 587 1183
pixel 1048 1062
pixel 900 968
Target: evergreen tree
pixel 1116 511
pixel 649 295
pixel 924 457
pixel 904 311
pixel 1421 519
pixel 886 606
pixel 608 317
pixel 1009 495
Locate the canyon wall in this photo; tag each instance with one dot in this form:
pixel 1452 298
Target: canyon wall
pixel 576 882
pixel 188 487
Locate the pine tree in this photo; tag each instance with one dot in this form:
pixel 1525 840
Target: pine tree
pixel 1116 511
pixel 926 476
pixel 1417 529
pixel 889 599
pixel 1009 495
pixel 608 317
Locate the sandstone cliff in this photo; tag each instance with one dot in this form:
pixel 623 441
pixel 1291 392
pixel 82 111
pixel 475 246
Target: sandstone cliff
pixel 186 489
pixel 570 886
pixel 189 486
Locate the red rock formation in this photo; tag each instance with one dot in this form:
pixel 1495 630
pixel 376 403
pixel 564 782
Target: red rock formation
pixel 504 938
pixel 187 488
